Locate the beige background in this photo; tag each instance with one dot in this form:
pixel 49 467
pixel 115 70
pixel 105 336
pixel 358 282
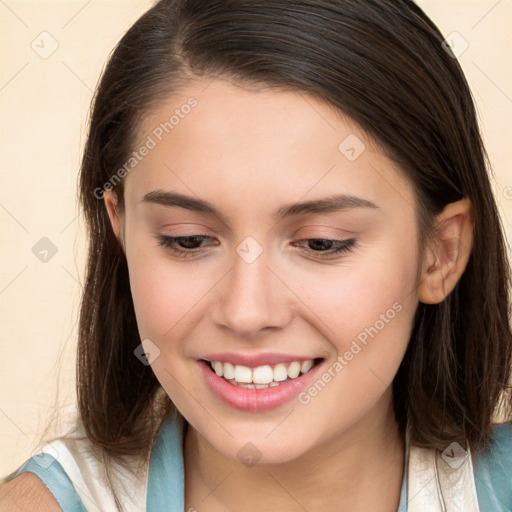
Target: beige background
pixel 44 105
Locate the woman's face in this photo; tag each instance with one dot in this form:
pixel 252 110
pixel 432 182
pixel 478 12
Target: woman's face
pixel 271 179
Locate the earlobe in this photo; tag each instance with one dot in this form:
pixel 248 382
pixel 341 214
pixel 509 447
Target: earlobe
pixel 448 253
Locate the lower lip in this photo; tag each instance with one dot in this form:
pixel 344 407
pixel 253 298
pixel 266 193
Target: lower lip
pixel 255 400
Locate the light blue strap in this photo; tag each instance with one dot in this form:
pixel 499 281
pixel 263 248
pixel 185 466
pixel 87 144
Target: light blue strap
pixel 402 506
pixel 56 480
pixel 493 472
pixel 166 487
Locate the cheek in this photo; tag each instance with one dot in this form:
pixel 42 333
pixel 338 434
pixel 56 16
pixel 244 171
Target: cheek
pixel 372 290
pixel 166 293
pixel 367 316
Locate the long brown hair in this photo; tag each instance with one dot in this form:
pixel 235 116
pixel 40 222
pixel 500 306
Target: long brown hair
pixel 382 63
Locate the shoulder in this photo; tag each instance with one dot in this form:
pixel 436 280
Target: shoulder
pixel 493 470
pixel 20 494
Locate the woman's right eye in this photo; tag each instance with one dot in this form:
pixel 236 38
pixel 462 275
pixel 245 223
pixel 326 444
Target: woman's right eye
pixel 182 245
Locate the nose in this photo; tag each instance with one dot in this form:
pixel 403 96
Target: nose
pixel 252 299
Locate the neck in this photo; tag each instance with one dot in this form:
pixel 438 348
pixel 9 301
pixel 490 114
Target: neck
pixel 359 470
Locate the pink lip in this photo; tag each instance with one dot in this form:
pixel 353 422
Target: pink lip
pixel 255 400
pixel 254 360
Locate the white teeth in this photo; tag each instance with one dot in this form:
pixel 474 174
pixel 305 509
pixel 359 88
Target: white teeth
pixel 306 366
pixel 262 376
pixel 255 386
pixel 294 370
pixel 229 371
pixel 280 372
pixel 219 368
pixel 243 374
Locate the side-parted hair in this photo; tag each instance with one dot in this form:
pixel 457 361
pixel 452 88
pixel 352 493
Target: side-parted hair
pixel 382 63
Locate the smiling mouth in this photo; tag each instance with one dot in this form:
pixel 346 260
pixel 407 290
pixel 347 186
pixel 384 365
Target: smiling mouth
pixel 262 377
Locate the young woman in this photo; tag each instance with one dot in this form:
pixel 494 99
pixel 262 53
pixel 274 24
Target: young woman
pixel 297 292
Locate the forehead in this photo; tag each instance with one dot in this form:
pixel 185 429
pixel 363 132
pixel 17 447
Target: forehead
pixel 227 143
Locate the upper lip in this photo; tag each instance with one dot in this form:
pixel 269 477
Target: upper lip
pixel 254 360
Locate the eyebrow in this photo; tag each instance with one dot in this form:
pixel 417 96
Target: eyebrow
pixel 325 205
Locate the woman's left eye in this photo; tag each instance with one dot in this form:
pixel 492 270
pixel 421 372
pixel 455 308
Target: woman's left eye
pixel 319 247
pixel 325 247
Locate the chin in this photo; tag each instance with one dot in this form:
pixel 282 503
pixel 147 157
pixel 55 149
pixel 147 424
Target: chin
pixel 278 447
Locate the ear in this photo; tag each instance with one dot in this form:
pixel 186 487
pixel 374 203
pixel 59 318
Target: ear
pixel 110 199
pixel 448 253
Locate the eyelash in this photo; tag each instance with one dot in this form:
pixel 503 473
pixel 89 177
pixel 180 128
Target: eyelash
pixel 340 246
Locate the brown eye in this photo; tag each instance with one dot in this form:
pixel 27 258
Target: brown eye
pixel 327 247
pixel 182 245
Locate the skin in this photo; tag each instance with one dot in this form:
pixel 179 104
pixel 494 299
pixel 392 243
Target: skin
pixel 248 153
pixel 20 494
